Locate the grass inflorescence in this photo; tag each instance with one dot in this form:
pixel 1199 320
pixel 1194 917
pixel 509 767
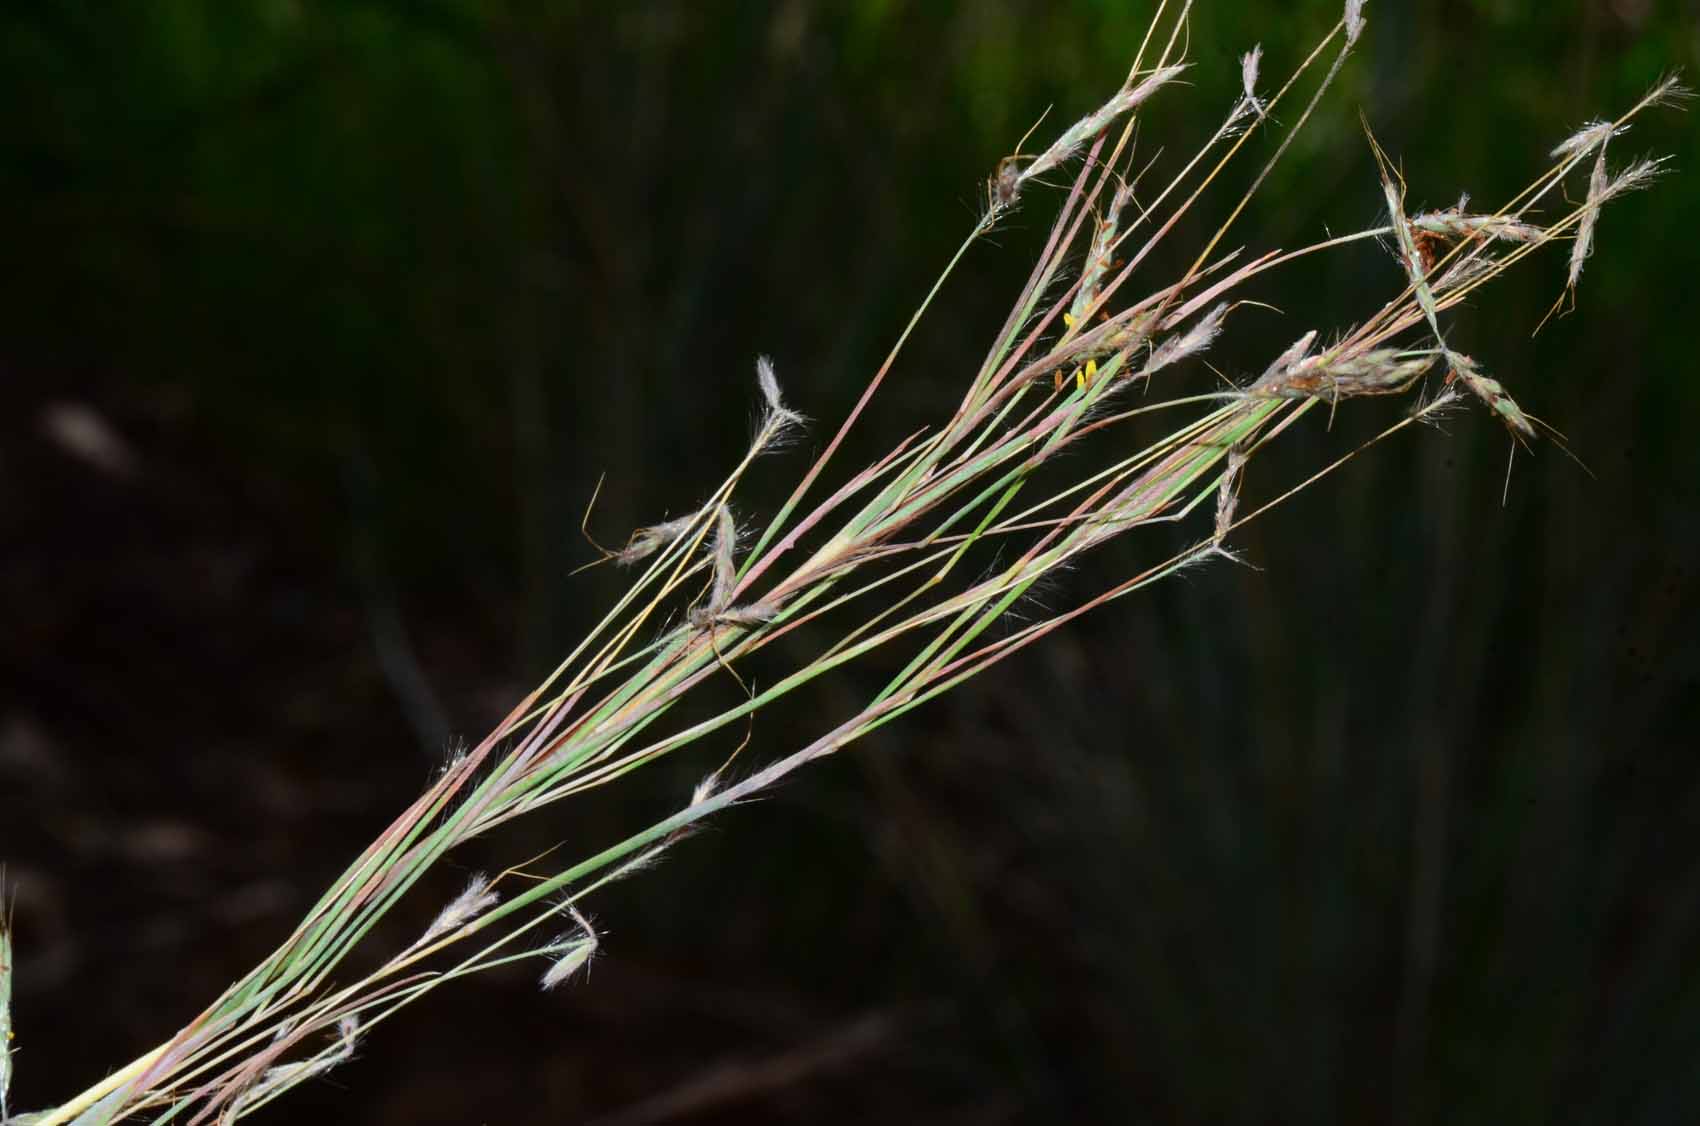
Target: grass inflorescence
pixel 880 560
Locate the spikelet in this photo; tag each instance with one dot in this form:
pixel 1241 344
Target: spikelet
pixel 778 421
pixel 569 954
pixel 1295 352
pixel 1183 345
pixel 1492 393
pixel 1586 139
pixel 1583 248
pixel 1008 182
pixel 1416 270
pixel 1248 81
pixel 1228 496
pixel 285 1075
pixel 1333 376
pixel 1098 256
pixel 1354 21
pixel 1454 225
pixel 476 899
pixel 725 569
pixel 647 541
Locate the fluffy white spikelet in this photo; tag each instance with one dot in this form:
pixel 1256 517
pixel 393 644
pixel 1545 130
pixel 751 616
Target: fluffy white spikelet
pixel 468 905
pixel 1586 139
pixel 1635 177
pixel 568 964
pixel 768 382
pixel 725 571
pixel 1354 20
pixel 571 954
pixel 1248 78
pixel 1193 341
pixel 1077 135
pixel 778 421
pixel 647 541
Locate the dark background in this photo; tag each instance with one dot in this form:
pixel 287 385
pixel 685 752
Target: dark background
pixel 319 322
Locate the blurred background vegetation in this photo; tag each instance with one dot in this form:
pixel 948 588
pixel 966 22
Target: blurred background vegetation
pixel 320 322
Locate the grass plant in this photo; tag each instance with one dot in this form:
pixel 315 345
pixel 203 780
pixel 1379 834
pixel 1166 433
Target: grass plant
pixel 921 552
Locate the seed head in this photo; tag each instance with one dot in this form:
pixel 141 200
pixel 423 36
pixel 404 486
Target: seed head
pixel 1228 495
pixel 1248 80
pixel 1455 225
pixel 1078 135
pixel 1492 393
pixel 647 541
pixel 571 953
pixel 1189 343
pixel 778 422
pixel 1340 375
pixel 1354 21
pixel 469 904
pixel 1586 139
pixel 725 568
